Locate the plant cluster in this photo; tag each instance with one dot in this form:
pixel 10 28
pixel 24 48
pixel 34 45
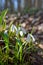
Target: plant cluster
pixel 16 45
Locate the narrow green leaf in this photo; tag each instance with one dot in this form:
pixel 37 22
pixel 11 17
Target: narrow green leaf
pixel 3 14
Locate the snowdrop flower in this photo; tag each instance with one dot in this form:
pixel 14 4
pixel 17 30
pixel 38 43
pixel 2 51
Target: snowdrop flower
pixel 21 30
pixel 5 32
pixel 29 37
pixel 32 38
pixel 13 28
pixel 24 31
pixel 17 32
pixel 21 33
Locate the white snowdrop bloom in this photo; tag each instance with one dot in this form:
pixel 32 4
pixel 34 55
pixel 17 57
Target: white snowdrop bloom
pixel 17 32
pixel 29 37
pixel 5 32
pixel 21 33
pixel 32 38
pixel 13 28
pixel 24 31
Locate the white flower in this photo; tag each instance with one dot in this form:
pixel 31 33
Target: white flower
pixel 29 37
pixel 32 38
pixel 13 28
pixel 24 31
pixel 5 32
pixel 21 33
pixel 17 32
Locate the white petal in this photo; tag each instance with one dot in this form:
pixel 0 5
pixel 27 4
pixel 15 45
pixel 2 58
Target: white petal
pixel 21 33
pixel 5 32
pixel 24 31
pixel 29 37
pixel 13 28
pixel 32 38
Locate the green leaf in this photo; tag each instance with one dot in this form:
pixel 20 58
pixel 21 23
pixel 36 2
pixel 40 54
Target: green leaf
pixel 3 14
pixel 5 38
pixel 3 24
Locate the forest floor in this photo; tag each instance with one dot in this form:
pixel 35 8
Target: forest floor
pixel 35 23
